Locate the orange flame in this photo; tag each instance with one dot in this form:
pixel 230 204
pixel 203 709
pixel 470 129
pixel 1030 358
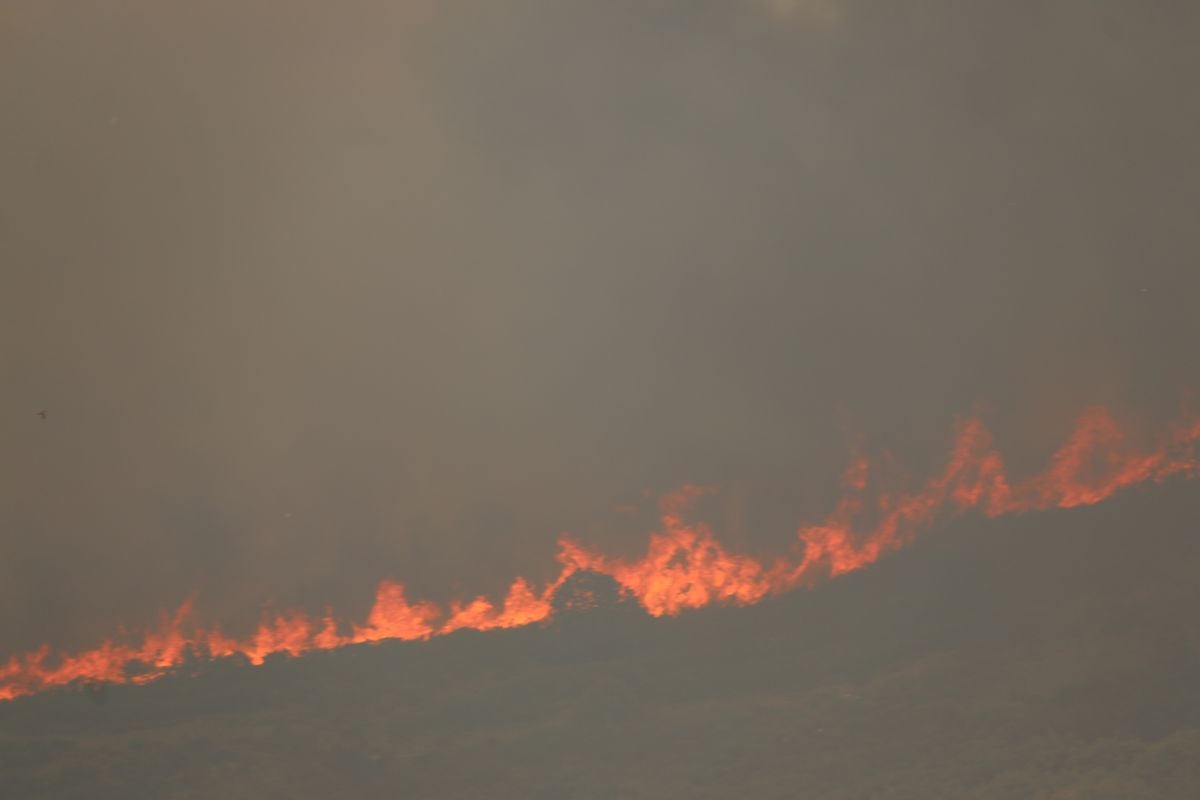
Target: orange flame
pixel 684 565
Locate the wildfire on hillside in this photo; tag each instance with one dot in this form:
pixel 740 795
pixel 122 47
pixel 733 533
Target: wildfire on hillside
pixel 684 565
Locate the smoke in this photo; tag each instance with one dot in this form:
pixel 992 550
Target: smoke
pixel 316 296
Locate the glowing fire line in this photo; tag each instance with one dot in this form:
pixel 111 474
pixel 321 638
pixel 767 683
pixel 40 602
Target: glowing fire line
pixel 684 565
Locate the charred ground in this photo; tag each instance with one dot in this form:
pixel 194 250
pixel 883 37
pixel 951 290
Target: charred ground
pixel 1066 666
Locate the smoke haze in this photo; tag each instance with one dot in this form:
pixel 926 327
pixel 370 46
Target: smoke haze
pixel 315 295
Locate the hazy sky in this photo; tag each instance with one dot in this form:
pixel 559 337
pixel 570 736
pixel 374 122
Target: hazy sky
pixel 319 293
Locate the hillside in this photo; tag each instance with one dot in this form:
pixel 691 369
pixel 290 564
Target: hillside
pixel 1044 656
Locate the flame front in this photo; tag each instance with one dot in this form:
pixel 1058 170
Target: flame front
pixel 684 566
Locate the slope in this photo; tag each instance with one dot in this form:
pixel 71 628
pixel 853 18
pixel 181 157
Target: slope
pixel 1051 655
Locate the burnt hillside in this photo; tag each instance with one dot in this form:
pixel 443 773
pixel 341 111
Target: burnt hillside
pixel 1046 656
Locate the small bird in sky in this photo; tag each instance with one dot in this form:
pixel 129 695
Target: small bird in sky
pixel 42 414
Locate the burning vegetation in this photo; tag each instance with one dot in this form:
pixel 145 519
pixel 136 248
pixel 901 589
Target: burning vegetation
pixel 684 565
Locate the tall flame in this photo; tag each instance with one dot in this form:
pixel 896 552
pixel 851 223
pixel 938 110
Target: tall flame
pixel 684 566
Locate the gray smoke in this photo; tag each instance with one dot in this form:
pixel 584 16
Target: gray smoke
pixel 315 294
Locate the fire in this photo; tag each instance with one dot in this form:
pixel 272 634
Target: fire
pixel 684 565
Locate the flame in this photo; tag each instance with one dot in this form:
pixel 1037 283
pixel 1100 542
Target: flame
pixel 684 565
